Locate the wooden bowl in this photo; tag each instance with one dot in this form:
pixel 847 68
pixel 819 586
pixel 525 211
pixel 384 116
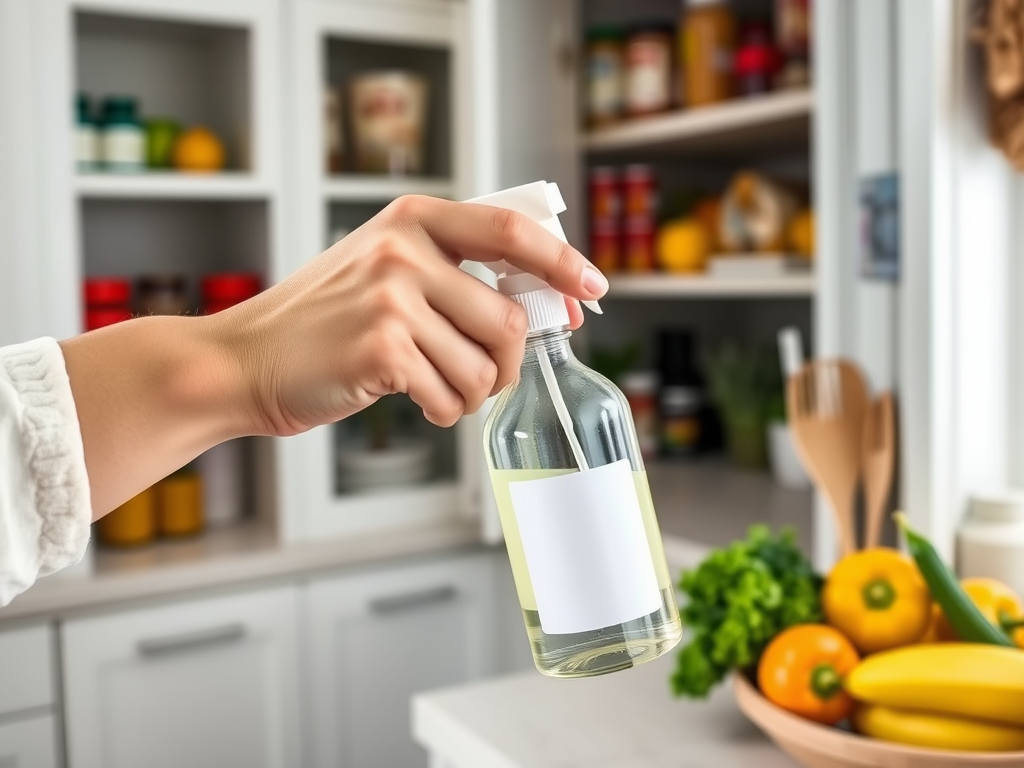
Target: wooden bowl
pixel 821 746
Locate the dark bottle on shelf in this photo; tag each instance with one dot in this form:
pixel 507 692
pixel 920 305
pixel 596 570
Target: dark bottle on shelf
pixel 681 401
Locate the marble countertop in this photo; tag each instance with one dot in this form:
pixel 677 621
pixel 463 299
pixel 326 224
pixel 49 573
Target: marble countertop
pixel 623 720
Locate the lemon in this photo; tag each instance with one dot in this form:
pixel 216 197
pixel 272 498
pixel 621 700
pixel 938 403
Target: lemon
pixel 683 245
pixel 198 149
pixel 801 233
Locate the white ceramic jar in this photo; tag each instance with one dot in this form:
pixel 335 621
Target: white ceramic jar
pixel 990 541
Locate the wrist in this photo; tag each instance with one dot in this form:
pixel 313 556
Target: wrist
pixel 228 382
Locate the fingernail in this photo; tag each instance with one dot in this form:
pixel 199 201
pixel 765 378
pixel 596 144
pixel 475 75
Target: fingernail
pixel 594 282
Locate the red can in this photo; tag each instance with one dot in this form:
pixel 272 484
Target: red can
pixel 639 193
pixel 605 245
pixel 107 301
pixel 228 289
pixel 638 250
pixel 605 193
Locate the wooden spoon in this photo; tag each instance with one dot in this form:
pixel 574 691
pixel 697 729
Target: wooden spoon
pixel 826 401
pixel 878 458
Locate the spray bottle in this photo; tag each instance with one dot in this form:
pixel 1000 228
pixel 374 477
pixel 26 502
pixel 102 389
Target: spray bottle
pixel 571 490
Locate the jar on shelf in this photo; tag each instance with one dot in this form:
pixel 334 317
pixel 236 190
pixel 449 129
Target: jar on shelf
pixel 757 61
pixel 222 468
pixel 793 39
pixel 87 139
pixel 708 41
pixel 638 254
pixel 180 503
pixel 605 218
pixel 681 397
pixel 649 70
pixel 132 524
pixel 122 137
pixel 605 76
pixel 108 300
pixel 641 391
pixel 162 295
pixel 639 193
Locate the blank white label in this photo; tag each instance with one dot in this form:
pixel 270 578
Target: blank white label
pixel 586 549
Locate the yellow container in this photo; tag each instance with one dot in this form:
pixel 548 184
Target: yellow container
pixel 131 524
pixel 180 504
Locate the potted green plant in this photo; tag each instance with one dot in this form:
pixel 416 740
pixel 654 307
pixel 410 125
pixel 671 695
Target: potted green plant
pixel 746 387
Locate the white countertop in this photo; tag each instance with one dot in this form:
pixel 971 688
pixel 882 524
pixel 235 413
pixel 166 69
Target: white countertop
pixel 245 553
pixel 624 720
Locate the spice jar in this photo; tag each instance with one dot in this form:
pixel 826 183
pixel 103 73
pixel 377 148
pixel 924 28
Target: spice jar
pixel 122 139
pixel 639 199
pixel 107 301
pixel 756 61
pixel 793 39
pixel 649 70
pixel 180 503
pixel 638 246
pixel 222 467
pixel 131 524
pixel 605 75
pixel 708 40
pixel 87 140
pixel 641 391
pixel 163 295
pixel 681 399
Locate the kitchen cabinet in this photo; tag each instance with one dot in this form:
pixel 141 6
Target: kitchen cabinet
pixel 375 638
pixel 29 743
pixel 206 683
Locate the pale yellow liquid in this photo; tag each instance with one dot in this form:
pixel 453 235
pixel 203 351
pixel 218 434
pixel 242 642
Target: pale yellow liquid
pixel 609 649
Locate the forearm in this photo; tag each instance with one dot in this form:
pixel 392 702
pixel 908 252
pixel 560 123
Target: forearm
pixel 151 395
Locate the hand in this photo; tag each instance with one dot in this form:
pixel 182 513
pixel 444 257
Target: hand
pixel 387 310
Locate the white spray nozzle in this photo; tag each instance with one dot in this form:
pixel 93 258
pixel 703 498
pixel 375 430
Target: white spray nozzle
pixel 542 202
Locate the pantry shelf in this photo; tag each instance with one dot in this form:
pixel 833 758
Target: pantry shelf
pixel 360 188
pixel 665 286
pixel 773 119
pixel 172 186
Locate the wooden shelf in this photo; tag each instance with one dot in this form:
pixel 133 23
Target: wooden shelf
pixel 711 502
pixel 172 186
pixel 736 125
pixel 384 189
pixel 659 285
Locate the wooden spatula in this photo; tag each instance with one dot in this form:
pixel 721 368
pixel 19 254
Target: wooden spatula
pixel 878 457
pixel 827 400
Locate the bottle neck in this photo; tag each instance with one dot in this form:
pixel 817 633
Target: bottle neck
pixel 553 341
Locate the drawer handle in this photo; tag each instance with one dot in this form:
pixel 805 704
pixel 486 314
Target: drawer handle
pixel 412 600
pixel 188 641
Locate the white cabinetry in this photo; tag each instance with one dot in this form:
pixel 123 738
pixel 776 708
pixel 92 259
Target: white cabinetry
pixel 207 683
pixel 377 637
pixel 29 743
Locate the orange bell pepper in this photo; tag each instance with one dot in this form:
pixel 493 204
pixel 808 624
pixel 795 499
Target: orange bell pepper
pixel 802 671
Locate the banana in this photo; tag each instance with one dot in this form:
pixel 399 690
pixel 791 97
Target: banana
pixel 984 682
pixel 920 729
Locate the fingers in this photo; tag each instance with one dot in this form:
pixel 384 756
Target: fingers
pixel 468 231
pixel 495 322
pixel 575 313
pixel 464 364
pixel 441 403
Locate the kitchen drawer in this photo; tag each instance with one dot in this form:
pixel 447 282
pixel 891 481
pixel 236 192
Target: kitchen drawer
pixel 29 743
pixel 26 668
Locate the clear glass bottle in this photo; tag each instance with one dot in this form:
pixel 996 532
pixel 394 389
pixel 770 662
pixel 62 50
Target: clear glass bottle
pixel 571 490
pixel 525 441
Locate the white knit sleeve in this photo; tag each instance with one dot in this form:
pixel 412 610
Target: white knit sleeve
pixel 45 508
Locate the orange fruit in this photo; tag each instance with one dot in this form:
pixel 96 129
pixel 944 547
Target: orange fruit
pixel 198 149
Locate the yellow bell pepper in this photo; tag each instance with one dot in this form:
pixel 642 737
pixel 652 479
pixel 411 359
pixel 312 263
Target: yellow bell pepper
pixel 878 599
pixel 997 603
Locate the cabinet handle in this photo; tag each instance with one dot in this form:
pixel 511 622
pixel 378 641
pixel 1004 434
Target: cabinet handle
pixel 188 641
pixel 411 600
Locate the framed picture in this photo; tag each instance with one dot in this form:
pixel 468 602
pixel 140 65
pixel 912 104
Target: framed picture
pixel 880 227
